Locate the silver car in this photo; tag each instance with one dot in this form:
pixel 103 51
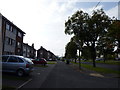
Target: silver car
pixel 18 64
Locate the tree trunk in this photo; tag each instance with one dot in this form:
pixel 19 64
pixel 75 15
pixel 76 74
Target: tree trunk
pixel 93 54
pixel 75 60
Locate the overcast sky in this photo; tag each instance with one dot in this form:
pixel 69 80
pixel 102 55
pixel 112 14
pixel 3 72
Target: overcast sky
pixel 43 20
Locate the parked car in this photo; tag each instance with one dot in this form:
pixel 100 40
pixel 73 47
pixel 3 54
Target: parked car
pixel 17 64
pixel 99 59
pixel 118 59
pixel 40 61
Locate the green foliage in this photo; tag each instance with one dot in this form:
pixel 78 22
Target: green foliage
pixel 88 30
pixel 71 50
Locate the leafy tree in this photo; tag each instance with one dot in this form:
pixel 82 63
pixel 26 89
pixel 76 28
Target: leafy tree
pixel 88 28
pixel 105 46
pixel 71 50
pixel 114 32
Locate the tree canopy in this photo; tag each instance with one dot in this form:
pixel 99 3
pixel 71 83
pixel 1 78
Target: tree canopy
pixel 88 28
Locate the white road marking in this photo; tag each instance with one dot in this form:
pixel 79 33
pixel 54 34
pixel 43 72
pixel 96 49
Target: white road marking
pixel 96 75
pixel 24 83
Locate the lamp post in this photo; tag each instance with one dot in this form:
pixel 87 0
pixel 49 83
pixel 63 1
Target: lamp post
pixel 78 44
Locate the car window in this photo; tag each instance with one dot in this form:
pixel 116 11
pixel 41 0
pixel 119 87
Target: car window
pixel 13 59
pixel 20 60
pixel 4 58
pixel 28 60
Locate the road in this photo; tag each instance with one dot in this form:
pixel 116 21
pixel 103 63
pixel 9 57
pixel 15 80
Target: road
pixel 64 76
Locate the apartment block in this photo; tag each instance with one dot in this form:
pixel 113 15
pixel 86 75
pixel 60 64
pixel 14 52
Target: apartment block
pixel 12 37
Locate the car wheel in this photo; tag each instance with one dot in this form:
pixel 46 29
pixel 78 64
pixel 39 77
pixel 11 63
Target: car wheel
pixel 20 72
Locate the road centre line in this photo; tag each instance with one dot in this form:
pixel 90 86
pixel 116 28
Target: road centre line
pixel 24 83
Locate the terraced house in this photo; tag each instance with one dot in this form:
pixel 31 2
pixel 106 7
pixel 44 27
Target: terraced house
pixel 43 53
pixel 12 37
pixel 29 51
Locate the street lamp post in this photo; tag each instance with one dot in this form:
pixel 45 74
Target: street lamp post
pixel 78 44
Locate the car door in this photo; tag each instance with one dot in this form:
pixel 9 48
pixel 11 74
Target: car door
pixel 4 62
pixel 12 64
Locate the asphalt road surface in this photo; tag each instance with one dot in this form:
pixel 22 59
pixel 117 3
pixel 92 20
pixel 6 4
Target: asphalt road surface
pixel 61 75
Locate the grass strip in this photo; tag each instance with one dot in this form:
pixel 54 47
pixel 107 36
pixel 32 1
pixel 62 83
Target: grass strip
pixel 51 62
pixel 8 87
pixel 109 62
pixel 98 69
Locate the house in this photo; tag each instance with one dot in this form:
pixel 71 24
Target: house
pixel 29 51
pixel 12 37
pixel 51 56
pixel 43 53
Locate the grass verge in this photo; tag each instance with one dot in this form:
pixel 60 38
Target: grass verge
pixel 51 62
pixel 111 62
pixel 99 69
pixel 8 88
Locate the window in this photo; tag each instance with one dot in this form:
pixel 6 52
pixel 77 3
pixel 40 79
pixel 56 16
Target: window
pixel 9 41
pixel 20 60
pixel 18 50
pixel 11 28
pixel 12 59
pixel 4 58
pixel 19 44
pixel 13 42
pixel 7 26
pixel 14 30
pixel 19 34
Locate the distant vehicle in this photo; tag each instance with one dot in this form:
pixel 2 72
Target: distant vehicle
pixel 50 59
pixel 17 64
pixel 117 59
pixel 40 61
pixel 99 59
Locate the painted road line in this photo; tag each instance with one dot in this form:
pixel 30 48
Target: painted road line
pixel 24 83
pixel 96 75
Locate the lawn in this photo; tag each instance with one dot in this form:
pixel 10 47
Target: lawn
pixel 112 62
pixel 51 62
pixel 8 88
pixel 98 69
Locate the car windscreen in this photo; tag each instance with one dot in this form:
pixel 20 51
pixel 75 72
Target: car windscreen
pixel 4 58
pixel 28 60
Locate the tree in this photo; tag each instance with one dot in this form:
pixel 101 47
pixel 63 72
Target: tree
pixel 88 28
pixel 114 32
pixel 71 50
